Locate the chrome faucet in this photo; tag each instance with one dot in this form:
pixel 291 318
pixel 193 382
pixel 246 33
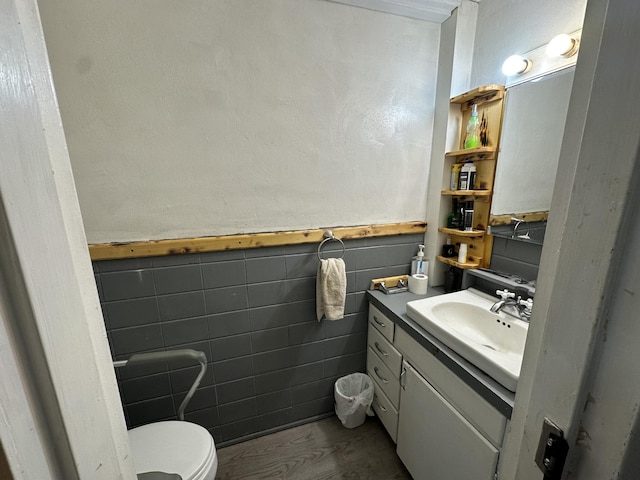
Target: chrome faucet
pixel 519 308
pixel 508 298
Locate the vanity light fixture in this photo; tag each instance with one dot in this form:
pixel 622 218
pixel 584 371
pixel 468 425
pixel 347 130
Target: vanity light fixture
pixel 562 45
pixel 516 65
pixel 560 53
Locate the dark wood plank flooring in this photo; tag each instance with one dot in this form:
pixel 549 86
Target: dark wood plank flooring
pixel 320 450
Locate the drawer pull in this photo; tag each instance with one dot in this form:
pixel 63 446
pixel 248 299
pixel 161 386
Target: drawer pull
pixel 375 319
pixel 384 354
pixel 384 380
pixel 381 407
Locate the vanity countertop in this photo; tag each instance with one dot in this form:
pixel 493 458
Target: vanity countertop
pixel 395 307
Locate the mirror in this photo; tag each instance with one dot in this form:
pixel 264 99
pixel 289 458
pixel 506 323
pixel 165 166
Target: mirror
pixel 532 130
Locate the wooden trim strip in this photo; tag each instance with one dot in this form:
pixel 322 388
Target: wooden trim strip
pixel 525 217
pixel 154 248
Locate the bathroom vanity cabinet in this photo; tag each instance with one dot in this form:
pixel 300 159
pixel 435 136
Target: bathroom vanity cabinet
pixel 490 102
pixel 447 418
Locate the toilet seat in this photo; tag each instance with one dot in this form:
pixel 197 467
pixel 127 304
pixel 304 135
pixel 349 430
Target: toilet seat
pixel 174 447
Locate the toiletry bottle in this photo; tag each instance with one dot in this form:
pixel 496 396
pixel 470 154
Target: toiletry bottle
pixel 471 182
pixel 418 262
pixel 467 177
pixel 472 139
pixel 468 216
pixel 448 250
pixel 453 218
pixel 461 208
pixel 455 173
pixel 463 178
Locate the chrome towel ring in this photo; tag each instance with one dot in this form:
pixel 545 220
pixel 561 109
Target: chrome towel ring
pixel 329 236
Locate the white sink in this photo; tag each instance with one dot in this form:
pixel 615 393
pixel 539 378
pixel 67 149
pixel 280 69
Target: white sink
pixel 493 342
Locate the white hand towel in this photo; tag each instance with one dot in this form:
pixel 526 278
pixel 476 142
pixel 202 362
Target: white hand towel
pixel 331 289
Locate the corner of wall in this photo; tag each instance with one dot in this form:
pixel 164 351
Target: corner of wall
pixel 465 33
pixel 454 68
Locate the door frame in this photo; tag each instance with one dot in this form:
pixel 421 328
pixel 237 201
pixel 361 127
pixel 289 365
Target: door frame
pixel 60 409
pixel 585 245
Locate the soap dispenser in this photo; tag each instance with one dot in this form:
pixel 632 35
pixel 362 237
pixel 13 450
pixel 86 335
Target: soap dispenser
pixel 418 264
pixel 472 139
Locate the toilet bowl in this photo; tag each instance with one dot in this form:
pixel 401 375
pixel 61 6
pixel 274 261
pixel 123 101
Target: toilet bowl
pixel 181 448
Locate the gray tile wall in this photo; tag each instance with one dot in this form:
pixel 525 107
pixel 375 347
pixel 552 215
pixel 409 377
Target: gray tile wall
pixel 516 257
pixel 252 312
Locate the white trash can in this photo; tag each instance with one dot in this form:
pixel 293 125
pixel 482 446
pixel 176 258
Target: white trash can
pixel 353 395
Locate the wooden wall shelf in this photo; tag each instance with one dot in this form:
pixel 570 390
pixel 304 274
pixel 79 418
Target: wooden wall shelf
pixel 479 95
pixel 480 153
pixel 472 262
pixel 490 102
pixel 462 233
pixel 467 193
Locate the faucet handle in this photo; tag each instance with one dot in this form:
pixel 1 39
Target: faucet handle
pixel 505 294
pixel 527 304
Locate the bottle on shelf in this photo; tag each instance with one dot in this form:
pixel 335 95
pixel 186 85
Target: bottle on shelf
pixel 448 250
pixel 453 219
pixel 468 216
pixel 455 174
pixel 472 139
pixel 472 175
pixel 463 178
pixel 467 177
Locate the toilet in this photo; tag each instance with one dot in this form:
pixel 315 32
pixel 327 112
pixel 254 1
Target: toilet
pixel 167 449
pixel 177 447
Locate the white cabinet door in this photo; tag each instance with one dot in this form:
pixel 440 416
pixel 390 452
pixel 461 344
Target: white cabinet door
pixel 435 441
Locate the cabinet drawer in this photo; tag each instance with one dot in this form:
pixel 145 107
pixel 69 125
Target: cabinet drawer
pixel 391 357
pixel 475 408
pixel 381 322
pixel 379 372
pixel 385 411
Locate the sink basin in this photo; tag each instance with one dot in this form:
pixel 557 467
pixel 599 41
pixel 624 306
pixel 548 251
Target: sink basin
pixel 493 342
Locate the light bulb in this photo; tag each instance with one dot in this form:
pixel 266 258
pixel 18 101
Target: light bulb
pixel 515 65
pixel 562 46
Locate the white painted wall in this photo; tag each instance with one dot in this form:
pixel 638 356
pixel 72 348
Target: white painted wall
pixel 507 27
pixel 206 118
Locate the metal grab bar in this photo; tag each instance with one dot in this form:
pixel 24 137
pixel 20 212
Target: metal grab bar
pixel 156 357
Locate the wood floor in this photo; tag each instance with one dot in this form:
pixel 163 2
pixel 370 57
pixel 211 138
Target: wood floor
pixel 320 450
